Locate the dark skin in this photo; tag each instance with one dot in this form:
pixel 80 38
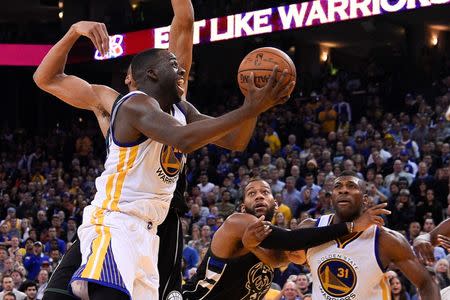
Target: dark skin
pixel 349 200
pixel 227 241
pixel 424 244
pixel 233 237
pixel 144 115
pixel 99 99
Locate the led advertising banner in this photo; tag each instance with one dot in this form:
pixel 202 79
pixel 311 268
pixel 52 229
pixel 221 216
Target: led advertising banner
pixel 295 16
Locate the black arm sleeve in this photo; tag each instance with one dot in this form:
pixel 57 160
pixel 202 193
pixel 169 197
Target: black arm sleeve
pixel 303 238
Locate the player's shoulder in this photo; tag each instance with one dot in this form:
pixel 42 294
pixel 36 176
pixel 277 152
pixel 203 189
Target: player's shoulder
pixel 392 239
pixel 238 217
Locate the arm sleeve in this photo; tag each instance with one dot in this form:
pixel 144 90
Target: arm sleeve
pixel 303 238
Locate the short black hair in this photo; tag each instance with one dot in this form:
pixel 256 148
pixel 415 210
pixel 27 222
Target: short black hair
pixel 142 61
pixel 348 173
pixel 28 284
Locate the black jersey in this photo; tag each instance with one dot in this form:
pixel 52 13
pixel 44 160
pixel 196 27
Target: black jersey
pixel 244 277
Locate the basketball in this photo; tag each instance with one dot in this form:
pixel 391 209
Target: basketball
pixel 261 62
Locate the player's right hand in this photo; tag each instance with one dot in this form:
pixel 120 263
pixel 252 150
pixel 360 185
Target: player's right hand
pixel 424 249
pixel 273 93
pixel 371 217
pixel 255 233
pixel 96 32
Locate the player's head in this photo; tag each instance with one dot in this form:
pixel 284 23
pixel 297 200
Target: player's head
pixel 349 196
pixel 258 199
pixel 158 66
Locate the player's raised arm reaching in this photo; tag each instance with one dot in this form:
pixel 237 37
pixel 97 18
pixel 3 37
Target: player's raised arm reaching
pixel 71 89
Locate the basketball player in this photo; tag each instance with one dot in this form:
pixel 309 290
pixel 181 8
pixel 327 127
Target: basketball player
pixel 148 138
pixel 230 270
pixel 99 99
pixel 353 266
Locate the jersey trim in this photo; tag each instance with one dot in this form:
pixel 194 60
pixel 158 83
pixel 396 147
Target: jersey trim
pixel 138 141
pixel 377 250
pixel 181 108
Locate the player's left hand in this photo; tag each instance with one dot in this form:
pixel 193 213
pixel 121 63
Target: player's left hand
pixel 255 233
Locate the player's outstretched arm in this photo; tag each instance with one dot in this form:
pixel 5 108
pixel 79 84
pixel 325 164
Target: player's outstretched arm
pixel 144 114
pixel 396 249
pixel 181 36
pixel 73 90
pixel 424 243
pixel 304 238
pixel 236 139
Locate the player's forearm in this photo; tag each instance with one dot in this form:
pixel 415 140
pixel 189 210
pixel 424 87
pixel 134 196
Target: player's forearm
pixel 238 139
pixel 183 12
pixel 200 133
pixel 429 290
pixel 54 62
pixel 303 238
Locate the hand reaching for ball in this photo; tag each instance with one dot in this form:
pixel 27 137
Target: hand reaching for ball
pixel 275 92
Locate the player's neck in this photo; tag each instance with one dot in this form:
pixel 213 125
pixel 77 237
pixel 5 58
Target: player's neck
pixel 337 219
pixel 165 101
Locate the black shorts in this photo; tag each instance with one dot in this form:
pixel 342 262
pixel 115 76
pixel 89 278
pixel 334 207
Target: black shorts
pixel 169 263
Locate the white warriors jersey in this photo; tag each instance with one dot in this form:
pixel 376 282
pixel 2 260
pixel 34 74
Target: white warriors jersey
pixel 139 178
pixel 348 269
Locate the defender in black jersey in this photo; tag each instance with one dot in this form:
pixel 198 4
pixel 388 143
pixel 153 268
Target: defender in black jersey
pixel 232 270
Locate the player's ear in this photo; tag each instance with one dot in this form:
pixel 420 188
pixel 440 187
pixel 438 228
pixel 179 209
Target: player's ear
pixel 242 208
pixel 153 74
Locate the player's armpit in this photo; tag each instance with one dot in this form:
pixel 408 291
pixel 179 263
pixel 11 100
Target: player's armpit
pixel 396 249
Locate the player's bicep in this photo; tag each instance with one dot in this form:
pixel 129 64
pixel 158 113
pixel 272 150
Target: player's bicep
pixel 74 91
pixel 181 44
pixel 400 253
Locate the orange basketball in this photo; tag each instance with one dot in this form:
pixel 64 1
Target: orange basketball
pixel 261 62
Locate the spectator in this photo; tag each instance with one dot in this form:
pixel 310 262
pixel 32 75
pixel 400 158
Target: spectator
pixel 272 140
pixel 291 196
pixel 290 292
pixel 204 185
pixel 30 289
pixel 60 244
pixel 225 207
pixel 8 287
pixel 282 208
pixel 398 291
pixel 328 118
pixel 442 270
pixel 34 260
pixel 309 179
pixel 398 172
pixel 403 213
pixel 410 145
pixel 42 280
pixel 17 278
pixel 302 282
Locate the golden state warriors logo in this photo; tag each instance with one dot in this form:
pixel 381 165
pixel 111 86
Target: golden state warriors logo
pixel 171 160
pixel 337 277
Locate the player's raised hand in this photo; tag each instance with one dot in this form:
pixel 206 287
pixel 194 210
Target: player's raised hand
pixel 256 232
pixel 273 93
pixel 371 217
pixel 424 249
pixel 96 32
